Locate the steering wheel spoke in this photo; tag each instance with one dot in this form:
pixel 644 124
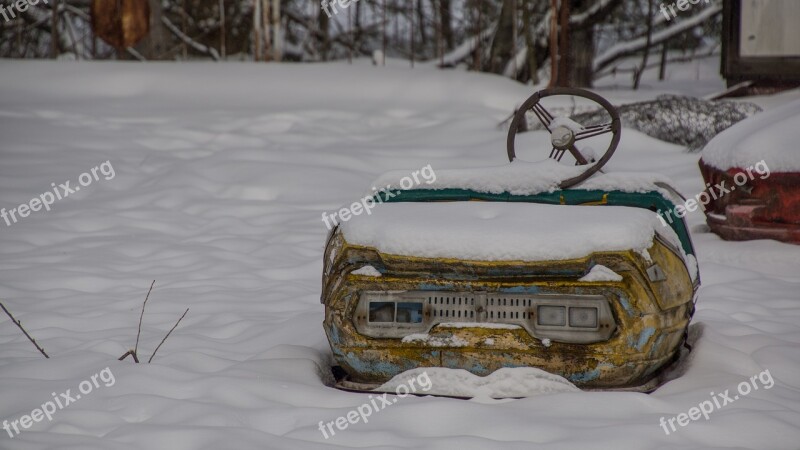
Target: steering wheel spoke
pixel 579 158
pixel 594 131
pixel 543 115
pixel 557 154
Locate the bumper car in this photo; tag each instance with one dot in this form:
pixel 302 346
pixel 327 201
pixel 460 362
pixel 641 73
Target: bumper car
pixel 550 265
pixel 752 174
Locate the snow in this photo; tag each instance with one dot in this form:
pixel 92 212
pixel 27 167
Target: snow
pixel 503 383
pixel 600 272
pixel 524 178
pixel 771 137
pixel 498 231
pixel 222 173
pixel 436 341
pixel 367 271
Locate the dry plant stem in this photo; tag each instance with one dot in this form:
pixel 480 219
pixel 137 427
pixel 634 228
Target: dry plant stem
pixel 165 337
pixel 19 324
pixel 131 353
pixel 136 347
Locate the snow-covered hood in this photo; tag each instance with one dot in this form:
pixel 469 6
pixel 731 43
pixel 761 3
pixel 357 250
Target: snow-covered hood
pixel 499 231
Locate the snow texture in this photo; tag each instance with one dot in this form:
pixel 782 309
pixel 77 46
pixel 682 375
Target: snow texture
pixel 524 178
pixel 222 174
pixel 772 137
pixel 498 231
pixel 503 383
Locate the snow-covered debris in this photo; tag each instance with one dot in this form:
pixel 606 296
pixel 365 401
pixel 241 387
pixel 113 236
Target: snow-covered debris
pixel 687 121
pixel 772 137
pixel 600 272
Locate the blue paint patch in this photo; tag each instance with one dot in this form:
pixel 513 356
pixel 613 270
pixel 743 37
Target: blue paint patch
pixel 647 333
pixel 377 367
pixel 656 345
pixel 585 376
pixel 626 305
pixel 521 290
pixel 334 334
pixel 435 287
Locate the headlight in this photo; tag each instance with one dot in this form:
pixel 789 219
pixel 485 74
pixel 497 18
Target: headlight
pixel 552 315
pixel 391 314
pixel 409 312
pixel 381 311
pixel 583 317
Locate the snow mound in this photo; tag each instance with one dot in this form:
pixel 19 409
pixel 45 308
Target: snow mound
pixel 600 272
pixel 503 383
pixel 772 136
pixel 521 231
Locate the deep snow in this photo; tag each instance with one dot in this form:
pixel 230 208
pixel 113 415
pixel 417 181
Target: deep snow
pixel 222 173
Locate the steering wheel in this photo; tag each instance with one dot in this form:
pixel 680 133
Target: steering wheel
pixel 564 132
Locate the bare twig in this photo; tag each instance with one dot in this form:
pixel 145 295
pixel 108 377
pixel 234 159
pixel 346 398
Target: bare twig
pixel 165 337
pixel 136 347
pixel 129 353
pixel 19 324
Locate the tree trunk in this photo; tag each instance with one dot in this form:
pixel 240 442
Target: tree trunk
pixel 323 39
pixel 527 24
pixel 446 17
pixel 564 63
pixel 421 23
pixel 157 42
pixel 579 70
pixel 502 44
pixel 580 58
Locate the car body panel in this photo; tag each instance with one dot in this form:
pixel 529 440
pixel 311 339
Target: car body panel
pixel 650 315
pixel 762 208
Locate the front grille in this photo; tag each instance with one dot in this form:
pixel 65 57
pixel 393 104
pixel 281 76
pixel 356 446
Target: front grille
pixel 447 307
